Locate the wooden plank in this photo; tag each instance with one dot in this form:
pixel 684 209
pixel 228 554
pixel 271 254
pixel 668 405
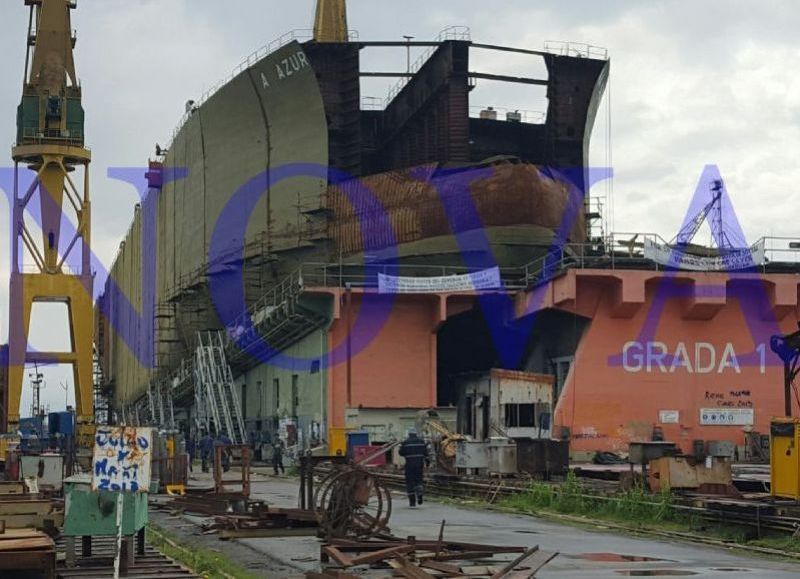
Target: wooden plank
pixel 459 556
pixel 479 571
pixel 25 508
pixel 32 521
pixel 449 570
pixel 382 555
pixel 535 566
pixel 227 534
pixel 337 556
pixel 21 534
pixel 516 562
pixel 17 498
pixel 12 488
pixel 28 560
pixel 409 570
pixel 28 544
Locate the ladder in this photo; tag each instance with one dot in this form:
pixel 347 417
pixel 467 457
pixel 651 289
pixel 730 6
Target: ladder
pixel 214 390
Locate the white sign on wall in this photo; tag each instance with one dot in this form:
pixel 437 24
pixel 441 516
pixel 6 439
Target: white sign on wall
pixel 727 417
pixel 669 416
pixel 121 459
pixel 488 279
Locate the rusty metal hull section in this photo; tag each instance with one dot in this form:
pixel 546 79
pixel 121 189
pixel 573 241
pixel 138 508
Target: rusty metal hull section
pixel 502 195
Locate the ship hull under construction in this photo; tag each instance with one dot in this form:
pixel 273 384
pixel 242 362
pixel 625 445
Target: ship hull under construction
pixel 420 193
pixel 337 186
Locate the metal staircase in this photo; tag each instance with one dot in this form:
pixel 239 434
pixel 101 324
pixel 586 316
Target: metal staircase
pixel 214 388
pixel 278 321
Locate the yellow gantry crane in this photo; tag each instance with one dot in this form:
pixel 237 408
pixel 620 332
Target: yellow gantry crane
pixel 50 143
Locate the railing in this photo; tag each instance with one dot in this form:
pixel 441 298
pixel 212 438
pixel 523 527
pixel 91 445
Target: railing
pixel 579 49
pixel 366 276
pixel 32 136
pixel 64 270
pixel 615 251
pixel 300 35
pixel 530 117
pixel 462 33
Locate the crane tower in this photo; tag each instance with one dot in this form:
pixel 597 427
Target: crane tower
pixel 330 24
pixel 52 268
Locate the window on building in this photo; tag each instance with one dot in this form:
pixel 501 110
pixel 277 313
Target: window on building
pixel 276 385
pixel 520 415
pixel 315 366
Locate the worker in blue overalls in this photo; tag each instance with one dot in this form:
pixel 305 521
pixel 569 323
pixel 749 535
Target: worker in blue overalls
pixel 225 443
pixel 415 451
pixel 206 450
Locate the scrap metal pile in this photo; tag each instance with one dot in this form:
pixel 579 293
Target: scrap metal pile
pixel 351 502
pixel 265 521
pixel 415 559
pixel 348 502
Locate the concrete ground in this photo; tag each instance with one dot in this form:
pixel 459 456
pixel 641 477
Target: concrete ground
pixel 584 553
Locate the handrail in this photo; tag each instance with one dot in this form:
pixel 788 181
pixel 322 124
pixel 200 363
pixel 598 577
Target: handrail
pixel 616 251
pixel 526 116
pixel 575 49
pixel 462 33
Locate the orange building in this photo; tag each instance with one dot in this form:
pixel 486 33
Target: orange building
pixel 687 353
pixel 632 352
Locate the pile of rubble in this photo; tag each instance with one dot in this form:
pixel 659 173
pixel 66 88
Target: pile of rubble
pixel 415 559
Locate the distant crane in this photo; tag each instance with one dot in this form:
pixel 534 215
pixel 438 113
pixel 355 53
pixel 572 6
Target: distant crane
pixel 713 213
pixel 37 381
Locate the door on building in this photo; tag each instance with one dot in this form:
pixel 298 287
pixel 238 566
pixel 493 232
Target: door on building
pixel 561 368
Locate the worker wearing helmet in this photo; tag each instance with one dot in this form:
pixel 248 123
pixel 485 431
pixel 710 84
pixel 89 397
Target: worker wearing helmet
pixel 415 451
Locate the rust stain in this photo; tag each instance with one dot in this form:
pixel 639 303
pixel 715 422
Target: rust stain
pixel 512 194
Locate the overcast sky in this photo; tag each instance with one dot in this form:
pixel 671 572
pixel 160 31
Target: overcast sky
pixel 693 82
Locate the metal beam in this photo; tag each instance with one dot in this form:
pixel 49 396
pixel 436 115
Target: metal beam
pixel 395 43
pixel 504 78
pixel 509 49
pixel 386 74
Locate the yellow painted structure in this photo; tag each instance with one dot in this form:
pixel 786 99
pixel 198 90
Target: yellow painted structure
pixel 785 458
pixel 337 441
pixel 6 441
pixel 330 24
pixel 50 143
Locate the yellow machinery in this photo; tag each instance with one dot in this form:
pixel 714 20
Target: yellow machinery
pixel 330 24
pixel 784 433
pixel 785 457
pixel 337 441
pixel 50 143
pixel 444 441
